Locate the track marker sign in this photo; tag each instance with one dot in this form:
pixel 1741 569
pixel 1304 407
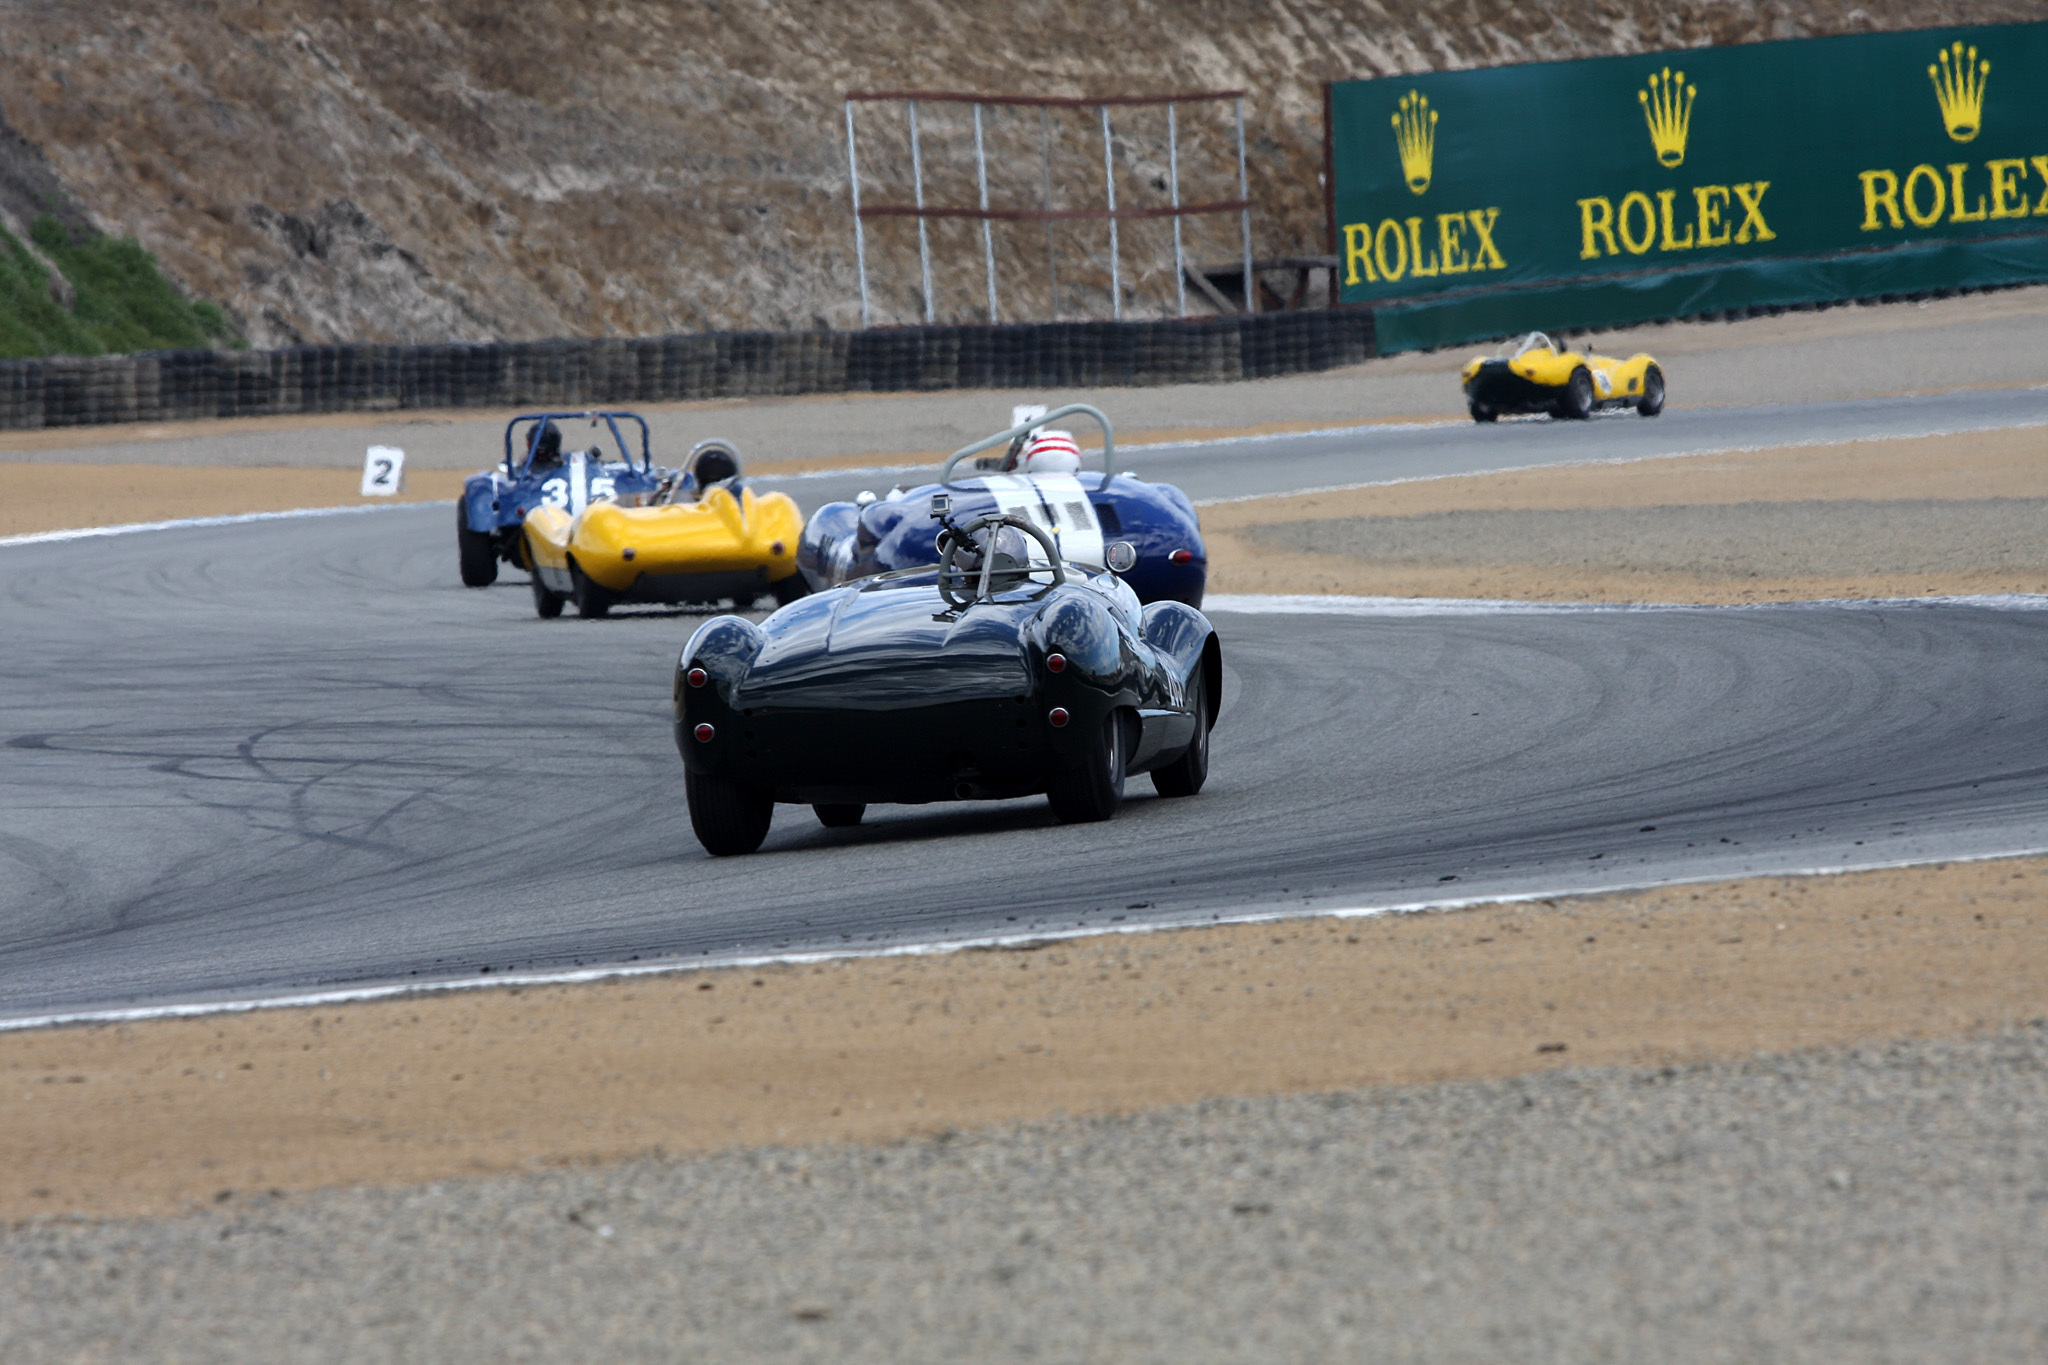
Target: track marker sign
pixel 383 472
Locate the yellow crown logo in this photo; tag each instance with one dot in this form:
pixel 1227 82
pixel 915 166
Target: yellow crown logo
pixel 1415 135
pixel 1959 87
pixel 1667 108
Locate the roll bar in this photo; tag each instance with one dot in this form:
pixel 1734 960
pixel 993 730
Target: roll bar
pixel 516 464
pixel 958 536
pixel 1108 440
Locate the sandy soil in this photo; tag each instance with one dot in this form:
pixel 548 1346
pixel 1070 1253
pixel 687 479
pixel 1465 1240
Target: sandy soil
pixel 1515 535
pixel 163 1116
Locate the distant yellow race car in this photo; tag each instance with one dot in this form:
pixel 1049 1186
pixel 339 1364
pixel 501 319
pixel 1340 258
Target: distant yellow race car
pixel 702 536
pixel 1534 375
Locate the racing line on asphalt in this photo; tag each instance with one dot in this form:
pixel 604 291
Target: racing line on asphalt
pixel 288 755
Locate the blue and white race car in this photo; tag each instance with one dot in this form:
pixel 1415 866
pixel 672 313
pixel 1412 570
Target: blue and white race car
pixel 1038 478
pixel 536 472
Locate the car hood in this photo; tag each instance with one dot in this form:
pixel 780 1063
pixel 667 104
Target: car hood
pixel 886 644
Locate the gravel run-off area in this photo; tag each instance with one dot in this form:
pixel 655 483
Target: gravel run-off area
pixel 1885 1203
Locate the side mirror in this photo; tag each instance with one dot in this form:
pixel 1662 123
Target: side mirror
pixel 1122 557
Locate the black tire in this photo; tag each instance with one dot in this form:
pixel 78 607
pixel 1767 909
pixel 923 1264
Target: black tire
pixel 1576 402
pixel 592 601
pixel 1481 412
pixel 1097 788
pixel 1653 393
pixel 728 819
pixel 787 590
pixel 547 604
pixel 840 814
pixel 1186 774
pixel 478 554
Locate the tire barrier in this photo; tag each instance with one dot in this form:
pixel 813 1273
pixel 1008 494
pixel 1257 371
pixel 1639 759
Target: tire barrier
pixel 158 386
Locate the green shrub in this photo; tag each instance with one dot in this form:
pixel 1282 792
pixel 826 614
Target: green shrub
pixel 124 302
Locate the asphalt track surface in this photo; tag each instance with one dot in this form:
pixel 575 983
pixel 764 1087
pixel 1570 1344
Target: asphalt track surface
pixel 277 755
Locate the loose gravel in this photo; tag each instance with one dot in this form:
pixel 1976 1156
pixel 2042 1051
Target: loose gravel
pixel 1755 539
pixel 1879 1204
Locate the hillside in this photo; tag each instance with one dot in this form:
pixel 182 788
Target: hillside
pixel 459 169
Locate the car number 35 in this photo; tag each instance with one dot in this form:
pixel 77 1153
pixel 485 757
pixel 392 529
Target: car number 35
pixel 555 492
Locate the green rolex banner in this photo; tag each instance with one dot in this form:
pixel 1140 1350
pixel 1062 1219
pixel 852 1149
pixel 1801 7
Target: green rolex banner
pixel 1617 190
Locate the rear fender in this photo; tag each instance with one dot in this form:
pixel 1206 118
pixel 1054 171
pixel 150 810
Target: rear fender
pixel 725 647
pixel 1184 639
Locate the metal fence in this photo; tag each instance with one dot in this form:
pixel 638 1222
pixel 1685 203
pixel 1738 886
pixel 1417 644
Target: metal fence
pixel 1045 213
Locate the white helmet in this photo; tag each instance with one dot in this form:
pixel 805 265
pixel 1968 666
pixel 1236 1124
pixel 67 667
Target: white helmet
pixel 1050 452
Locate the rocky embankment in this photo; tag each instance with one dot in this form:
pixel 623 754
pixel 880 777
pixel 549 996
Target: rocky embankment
pixel 450 169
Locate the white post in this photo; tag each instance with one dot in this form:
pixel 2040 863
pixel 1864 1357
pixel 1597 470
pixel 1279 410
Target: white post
pixel 860 236
pixel 1116 277
pixel 1180 268
pixel 1052 265
pixel 924 245
pixel 1244 192
pixel 988 245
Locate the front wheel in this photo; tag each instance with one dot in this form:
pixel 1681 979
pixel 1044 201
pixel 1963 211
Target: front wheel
pixel 478 554
pixel 727 818
pixel 1653 392
pixel 1576 402
pixel 840 814
pixel 1186 774
pixel 1097 789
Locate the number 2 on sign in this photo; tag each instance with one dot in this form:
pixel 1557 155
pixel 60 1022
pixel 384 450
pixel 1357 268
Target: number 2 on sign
pixel 383 472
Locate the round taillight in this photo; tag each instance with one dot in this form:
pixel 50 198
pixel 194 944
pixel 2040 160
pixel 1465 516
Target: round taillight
pixel 775 549
pixel 697 677
pixel 704 734
pixel 626 553
pixel 1182 556
pixel 1058 716
pixel 1056 663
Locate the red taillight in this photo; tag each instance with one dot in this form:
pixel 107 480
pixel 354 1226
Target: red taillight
pixel 776 549
pixel 1182 556
pixel 627 553
pixel 1056 663
pixel 697 677
pixel 704 734
pixel 1058 717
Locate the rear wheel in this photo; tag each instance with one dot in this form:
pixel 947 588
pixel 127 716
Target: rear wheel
pixel 787 590
pixel 591 599
pixel 479 556
pixel 1576 402
pixel 728 819
pixel 1097 788
pixel 840 814
pixel 1653 392
pixel 547 604
pixel 1186 774
pixel 1481 412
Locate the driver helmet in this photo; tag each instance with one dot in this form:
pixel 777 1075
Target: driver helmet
pixel 1010 551
pixel 712 462
pixel 547 447
pixel 1050 452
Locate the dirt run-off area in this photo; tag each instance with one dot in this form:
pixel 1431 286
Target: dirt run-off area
pixel 157 1117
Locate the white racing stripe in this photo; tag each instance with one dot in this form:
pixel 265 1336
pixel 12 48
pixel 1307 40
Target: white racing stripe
pixel 1057 503
pixel 577 976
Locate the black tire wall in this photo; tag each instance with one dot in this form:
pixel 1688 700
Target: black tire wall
pixel 158 386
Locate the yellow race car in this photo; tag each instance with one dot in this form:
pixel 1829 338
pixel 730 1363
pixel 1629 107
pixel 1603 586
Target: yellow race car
pixel 702 535
pixel 1533 374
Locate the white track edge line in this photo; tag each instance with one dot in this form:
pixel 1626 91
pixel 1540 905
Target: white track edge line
pixel 580 976
pixel 1313 604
